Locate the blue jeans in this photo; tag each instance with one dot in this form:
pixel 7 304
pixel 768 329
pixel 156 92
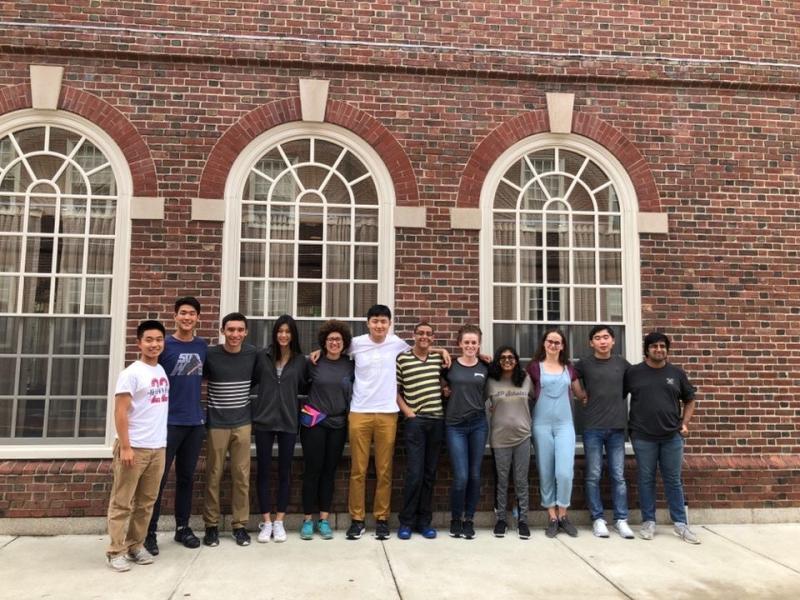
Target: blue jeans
pixel 594 440
pixel 667 457
pixel 466 442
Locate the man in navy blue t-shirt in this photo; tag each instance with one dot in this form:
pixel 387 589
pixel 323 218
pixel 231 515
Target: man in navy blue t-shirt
pixel 182 359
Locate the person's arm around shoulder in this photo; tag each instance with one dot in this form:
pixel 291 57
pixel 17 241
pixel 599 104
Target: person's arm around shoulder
pixel 446 358
pixel 122 404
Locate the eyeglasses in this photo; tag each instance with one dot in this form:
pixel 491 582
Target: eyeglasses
pixel 553 342
pixel 334 340
pixel 427 334
pixel 507 359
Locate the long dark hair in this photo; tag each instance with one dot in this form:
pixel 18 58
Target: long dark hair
pixel 294 343
pixel 496 371
pixel 540 354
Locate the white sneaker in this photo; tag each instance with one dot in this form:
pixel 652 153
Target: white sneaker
pixel 599 528
pixel 278 532
pixel 648 530
pixel 118 563
pixel 264 532
pixel 624 529
pixel 687 535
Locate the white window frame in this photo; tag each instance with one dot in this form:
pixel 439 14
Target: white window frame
pixel 629 208
pixel 119 295
pixel 235 183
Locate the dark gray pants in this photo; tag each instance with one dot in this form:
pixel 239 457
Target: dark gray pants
pixel 519 457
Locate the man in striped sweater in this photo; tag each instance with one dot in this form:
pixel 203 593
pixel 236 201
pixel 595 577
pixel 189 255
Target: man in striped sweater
pixel 230 369
pixel 419 397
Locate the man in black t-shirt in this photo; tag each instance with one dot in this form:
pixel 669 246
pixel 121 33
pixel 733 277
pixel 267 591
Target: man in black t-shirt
pixel 659 427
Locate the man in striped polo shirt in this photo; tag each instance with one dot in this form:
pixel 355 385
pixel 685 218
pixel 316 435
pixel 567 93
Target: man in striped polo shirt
pixel 419 396
pixel 230 369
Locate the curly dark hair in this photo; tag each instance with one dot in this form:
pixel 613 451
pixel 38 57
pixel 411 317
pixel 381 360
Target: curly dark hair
pixel 334 326
pixel 495 371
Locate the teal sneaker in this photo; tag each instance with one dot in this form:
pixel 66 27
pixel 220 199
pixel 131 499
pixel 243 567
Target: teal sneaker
pixel 307 530
pixel 324 529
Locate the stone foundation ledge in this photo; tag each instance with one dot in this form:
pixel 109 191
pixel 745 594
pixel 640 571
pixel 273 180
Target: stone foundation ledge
pixel 340 521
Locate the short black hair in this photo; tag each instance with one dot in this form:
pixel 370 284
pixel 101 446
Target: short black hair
pixel 234 316
pixel 190 300
pixel 147 326
pixel 379 310
pixel 655 337
pixel 598 328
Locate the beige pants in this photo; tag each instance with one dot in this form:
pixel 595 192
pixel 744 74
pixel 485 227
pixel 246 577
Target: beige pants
pixel 133 495
pixel 219 442
pixel 363 428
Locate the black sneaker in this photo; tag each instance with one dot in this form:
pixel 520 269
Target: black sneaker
pixel 185 536
pixel 211 538
pixel 456 528
pixel 523 530
pixel 565 525
pixel 469 530
pixel 241 536
pixel 356 530
pixel 552 528
pixel 500 528
pixel 151 543
pixel 382 531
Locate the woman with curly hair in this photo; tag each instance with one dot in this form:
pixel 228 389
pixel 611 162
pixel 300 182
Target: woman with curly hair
pixel 331 381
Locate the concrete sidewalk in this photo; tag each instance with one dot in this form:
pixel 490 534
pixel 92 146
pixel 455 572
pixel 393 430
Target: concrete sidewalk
pixel 733 561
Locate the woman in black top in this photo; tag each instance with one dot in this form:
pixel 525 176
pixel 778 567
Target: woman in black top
pixel 282 370
pixel 330 392
pixel 466 429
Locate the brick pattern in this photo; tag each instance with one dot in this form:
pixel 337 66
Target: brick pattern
pixel 30 489
pixel 699 100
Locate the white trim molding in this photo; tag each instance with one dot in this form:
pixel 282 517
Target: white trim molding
pixel 22 119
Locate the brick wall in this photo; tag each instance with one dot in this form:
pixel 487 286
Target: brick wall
pixel 705 94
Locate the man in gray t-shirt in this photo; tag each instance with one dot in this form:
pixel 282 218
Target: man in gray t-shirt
pixel 605 418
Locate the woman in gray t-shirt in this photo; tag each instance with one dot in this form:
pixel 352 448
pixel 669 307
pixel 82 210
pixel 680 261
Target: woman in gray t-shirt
pixel 509 392
pixel 466 429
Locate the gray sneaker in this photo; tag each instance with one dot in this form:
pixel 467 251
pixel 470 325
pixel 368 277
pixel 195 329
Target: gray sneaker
pixel 140 556
pixel 687 535
pixel 118 563
pixel 648 530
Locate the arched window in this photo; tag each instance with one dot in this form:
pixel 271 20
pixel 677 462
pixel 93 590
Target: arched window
pixel 59 236
pixel 561 246
pixel 311 235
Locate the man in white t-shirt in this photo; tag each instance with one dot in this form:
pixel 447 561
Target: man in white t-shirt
pixel 373 418
pixel 141 402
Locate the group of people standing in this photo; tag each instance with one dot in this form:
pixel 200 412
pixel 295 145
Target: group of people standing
pixel 354 388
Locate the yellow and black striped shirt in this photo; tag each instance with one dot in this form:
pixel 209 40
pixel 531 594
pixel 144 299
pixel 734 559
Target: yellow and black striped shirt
pixel 418 383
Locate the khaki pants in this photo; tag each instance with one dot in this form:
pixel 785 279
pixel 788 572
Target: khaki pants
pixel 133 494
pixel 220 441
pixel 363 429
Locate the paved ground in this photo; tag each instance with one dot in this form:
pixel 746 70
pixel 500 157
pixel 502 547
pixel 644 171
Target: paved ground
pixel 734 561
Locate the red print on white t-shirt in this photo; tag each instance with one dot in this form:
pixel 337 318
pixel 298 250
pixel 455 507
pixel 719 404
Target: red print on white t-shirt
pixel 159 390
